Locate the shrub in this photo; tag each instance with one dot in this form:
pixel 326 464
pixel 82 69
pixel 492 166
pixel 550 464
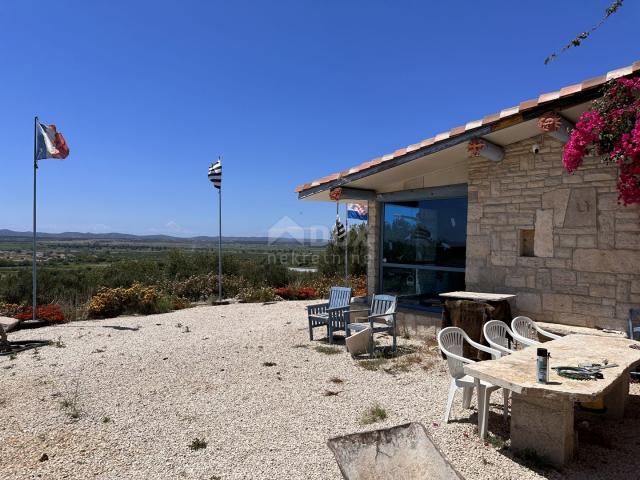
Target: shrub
pixel 292 293
pixel 111 302
pixel 204 286
pixel 51 313
pixel 257 294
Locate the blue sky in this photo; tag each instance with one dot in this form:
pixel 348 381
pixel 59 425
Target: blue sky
pixel 147 93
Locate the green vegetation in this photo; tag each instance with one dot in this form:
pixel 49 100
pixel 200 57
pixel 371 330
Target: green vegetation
pixel 91 278
pixel 327 350
pixel 373 414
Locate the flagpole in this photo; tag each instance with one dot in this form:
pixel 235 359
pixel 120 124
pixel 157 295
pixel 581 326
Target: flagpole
pixel 220 243
pixel 34 272
pixel 346 245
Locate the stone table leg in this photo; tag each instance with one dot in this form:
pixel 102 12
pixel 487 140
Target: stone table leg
pixel 615 399
pixel 543 426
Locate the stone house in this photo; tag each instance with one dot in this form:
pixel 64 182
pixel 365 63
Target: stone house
pixel 489 207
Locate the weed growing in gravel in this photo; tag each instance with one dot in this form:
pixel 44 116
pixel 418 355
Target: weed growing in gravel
pixel 269 364
pixel 106 419
pixel 59 343
pixel 496 441
pixel 70 402
pixel 373 365
pixel 373 414
pixel 327 350
pixel 198 443
pixel 13 356
pixel 336 380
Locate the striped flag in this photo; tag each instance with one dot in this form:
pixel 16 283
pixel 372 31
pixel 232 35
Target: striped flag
pixel 215 174
pixel 50 143
pixel 341 232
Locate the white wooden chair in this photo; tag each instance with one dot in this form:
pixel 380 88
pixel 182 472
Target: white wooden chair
pixel 526 331
pixel 451 341
pixel 497 334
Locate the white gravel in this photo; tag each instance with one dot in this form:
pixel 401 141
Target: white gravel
pixel 143 396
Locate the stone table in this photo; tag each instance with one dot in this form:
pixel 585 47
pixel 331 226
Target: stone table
pixel 542 415
pixel 478 296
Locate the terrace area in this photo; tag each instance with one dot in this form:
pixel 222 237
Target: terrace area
pixel 239 391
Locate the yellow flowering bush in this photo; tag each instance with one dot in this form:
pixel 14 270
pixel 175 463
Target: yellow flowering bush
pixel 111 302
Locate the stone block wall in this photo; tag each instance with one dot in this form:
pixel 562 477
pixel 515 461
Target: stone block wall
pixel 373 248
pixel 585 266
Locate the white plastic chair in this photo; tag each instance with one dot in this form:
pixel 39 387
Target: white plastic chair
pixel 451 341
pixel 526 331
pixel 497 333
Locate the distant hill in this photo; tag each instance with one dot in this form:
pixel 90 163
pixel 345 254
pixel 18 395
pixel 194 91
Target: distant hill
pixel 11 234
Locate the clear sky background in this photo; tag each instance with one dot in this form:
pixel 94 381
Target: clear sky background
pixel 147 93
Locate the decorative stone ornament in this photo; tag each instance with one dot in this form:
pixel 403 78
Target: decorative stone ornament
pixel 555 126
pixel 549 122
pixel 475 146
pixel 335 194
pixel 479 147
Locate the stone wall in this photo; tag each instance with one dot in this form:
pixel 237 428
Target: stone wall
pixel 585 265
pixel 373 248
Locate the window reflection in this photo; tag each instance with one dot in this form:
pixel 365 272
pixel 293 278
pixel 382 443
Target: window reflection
pixel 423 248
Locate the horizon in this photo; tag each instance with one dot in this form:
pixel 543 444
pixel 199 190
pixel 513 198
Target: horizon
pixel 285 92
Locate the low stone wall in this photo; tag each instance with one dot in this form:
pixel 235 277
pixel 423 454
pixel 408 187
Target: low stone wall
pixel 584 267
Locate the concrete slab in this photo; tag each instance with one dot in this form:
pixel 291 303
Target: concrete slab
pixel 404 452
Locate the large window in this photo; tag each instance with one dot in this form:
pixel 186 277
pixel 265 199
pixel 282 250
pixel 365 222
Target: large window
pixel 423 249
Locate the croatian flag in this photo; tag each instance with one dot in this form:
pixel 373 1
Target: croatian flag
pixel 50 143
pixel 357 211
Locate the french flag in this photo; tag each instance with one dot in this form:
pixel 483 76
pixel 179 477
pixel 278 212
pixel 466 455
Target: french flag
pixel 50 143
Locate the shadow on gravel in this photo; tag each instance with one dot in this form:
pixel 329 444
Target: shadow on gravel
pixel 120 327
pixel 22 345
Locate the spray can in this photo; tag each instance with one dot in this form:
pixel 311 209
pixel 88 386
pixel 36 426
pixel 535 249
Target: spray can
pixel 542 365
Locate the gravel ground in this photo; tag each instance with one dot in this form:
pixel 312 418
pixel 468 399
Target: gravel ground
pixel 143 388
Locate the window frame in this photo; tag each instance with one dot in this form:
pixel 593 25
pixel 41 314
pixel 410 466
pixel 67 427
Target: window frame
pixel 432 193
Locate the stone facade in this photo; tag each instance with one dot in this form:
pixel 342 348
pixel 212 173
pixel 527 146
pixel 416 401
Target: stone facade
pixel 373 248
pixel 585 266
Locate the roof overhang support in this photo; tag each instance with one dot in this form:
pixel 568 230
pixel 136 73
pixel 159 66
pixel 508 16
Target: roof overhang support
pixel 479 147
pixel 556 126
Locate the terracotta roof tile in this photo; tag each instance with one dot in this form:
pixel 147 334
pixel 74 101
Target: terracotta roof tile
pixel 458 130
pixel 620 72
pixel 473 124
pixel 491 118
pixel 512 114
pixel 570 89
pixel 594 82
pixel 547 97
pixel 527 104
